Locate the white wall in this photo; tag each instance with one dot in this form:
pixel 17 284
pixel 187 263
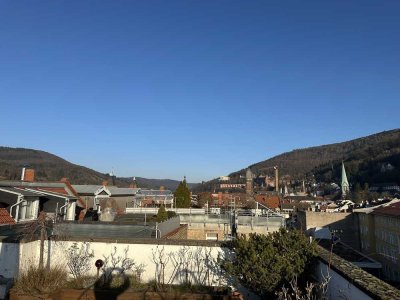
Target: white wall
pixel 339 287
pixel 197 259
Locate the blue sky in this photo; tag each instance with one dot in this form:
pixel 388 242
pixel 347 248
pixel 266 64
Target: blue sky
pixel 162 89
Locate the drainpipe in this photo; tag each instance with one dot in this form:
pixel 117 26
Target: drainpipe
pixel 66 203
pixel 19 200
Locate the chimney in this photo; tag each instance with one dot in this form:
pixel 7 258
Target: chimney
pixel 64 179
pixel 105 183
pixel 162 188
pixel 276 179
pixel 29 175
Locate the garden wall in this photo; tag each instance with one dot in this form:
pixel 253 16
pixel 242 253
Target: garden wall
pixel 196 261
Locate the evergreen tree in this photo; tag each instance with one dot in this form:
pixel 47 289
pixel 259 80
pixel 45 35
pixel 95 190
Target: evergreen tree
pixel 162 214
pixel 182 195
pixel 357 193
pixel 262 263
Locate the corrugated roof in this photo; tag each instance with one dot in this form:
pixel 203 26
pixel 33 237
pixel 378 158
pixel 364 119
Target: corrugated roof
pixel 155 192
pixel 55 194
pixel 122 191
pixel 24 184
pixel 86 188
pixel 31 184
pixel 23 192
pixel 114 190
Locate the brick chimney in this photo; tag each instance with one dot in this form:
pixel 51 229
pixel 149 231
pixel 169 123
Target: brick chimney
pixel 29 175
pixel 104 183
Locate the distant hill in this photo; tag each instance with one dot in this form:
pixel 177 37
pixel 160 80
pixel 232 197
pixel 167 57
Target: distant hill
pixel 372 159
pixel 52 168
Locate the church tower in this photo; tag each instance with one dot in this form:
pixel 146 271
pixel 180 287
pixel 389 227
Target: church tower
pixel 345 183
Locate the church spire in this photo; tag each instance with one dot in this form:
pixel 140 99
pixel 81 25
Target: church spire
pixel 345 183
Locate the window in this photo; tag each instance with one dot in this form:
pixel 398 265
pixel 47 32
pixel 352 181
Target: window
pixel 211 236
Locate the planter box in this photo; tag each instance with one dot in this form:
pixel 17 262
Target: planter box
pixel 90 294
pixel 15 296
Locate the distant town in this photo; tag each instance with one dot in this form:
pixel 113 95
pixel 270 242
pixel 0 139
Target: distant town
pixel 352 227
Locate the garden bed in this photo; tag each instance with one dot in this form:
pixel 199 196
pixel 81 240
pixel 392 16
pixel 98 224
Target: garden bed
pixel 174 292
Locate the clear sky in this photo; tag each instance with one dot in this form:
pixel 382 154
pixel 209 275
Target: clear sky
pixel 163 89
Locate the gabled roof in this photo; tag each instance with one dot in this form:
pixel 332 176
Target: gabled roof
pixel 5 217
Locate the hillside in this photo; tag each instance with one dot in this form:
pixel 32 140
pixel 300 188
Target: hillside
pixel 366 160
pixel 52 168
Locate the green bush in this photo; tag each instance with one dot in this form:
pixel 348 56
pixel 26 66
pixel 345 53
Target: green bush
pixel 171 214
pixel 263 262
pixel 162 214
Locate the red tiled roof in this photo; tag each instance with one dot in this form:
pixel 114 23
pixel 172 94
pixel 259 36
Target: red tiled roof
pixel 392 210
pixel 5 217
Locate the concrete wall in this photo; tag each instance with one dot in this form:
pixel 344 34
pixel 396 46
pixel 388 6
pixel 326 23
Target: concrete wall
pixel 345 224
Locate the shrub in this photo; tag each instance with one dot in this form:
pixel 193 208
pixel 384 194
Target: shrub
pixel 78 259
pixel 171 214
pixel 262 263
pixel 162 214
pixel 35 281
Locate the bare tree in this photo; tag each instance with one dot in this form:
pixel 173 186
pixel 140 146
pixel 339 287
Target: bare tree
pixel 161 259
pixel 78 259
pixel 117 265
pixel 41 226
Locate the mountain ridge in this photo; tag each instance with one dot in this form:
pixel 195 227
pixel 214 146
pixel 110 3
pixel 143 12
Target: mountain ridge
pixel 50 167
pixel 363 157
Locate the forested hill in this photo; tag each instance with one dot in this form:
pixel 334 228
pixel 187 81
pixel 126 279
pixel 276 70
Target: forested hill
pixel 372 159
pixel 49 167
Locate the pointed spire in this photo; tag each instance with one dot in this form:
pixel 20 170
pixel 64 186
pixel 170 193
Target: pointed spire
pixel 345 183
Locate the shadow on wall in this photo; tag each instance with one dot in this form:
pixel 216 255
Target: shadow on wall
pixel 9 262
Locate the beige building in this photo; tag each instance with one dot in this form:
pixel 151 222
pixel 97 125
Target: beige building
pixel 379 229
